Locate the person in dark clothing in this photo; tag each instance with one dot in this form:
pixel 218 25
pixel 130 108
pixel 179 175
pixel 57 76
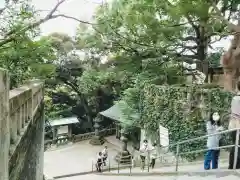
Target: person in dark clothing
pixel 99 162
pixel 234 123
pixel 232 152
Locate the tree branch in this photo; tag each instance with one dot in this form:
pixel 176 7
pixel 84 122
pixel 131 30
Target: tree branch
pixel 10 36
pixel 73 18
pixel 231 26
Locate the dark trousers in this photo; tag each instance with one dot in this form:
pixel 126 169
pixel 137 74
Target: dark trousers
pixel 211 156
pixel 232 152
pixel 104 160
pixel 153 162
pixel 143 161
pixel 98 166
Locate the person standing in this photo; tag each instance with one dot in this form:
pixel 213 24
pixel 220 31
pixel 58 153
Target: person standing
pixel 153 155
pixel 99 162
pixel 144 153
pixel 212 154
pixel 234 123
pixel 105 155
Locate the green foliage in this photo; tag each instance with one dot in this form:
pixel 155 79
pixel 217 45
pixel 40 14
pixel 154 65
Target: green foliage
pixel 184 111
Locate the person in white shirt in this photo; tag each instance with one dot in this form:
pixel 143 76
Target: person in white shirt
pixel 212 155
pixel 153 153
pixel 105 155
pixel 144 153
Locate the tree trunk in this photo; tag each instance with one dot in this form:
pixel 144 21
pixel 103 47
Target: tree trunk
pixel 202 51
pixel 228 80
pixel 231 63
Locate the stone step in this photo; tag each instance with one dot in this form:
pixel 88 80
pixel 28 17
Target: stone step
pixel 156 177
pixel 189 167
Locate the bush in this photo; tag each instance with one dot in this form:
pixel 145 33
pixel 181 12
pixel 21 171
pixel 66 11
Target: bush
pixel 184 111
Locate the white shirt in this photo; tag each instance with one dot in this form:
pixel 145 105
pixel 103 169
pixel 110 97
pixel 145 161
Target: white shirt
pixel 235 112
pixel 153 153
pixel 99 158
pixel 105 152
pixel 144 150
pixel 213 141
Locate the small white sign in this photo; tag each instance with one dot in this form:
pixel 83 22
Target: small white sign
pixel 62 130
pixel 163 136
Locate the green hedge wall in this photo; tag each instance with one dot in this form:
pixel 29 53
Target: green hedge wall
pixel 184 111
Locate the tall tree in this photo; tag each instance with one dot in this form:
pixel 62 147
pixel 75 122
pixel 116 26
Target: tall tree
pixel 183 30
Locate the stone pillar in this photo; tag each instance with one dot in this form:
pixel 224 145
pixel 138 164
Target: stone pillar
pixel 40 163
pixel 13 128
pixel 4 125
pixel 21 116
pixel 124 157
pixel 25 113
pixel 97 139
pixel 19 121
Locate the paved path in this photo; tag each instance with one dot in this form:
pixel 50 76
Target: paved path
pixel 75 158
pixel 100 177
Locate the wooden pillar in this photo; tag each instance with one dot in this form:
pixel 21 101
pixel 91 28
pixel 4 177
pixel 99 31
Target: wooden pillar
pixel 54 134
pixel 70 131
pixel 117 130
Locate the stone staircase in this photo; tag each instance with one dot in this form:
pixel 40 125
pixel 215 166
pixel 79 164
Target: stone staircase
pixel 185 172
pixel 157 176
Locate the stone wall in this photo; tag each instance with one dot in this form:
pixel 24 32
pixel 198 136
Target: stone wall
pixel 23 122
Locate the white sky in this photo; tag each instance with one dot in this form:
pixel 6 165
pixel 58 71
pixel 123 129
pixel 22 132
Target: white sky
pixel 81 9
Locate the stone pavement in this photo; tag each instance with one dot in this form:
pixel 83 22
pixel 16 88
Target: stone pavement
pixel 74 158
pixel 159 177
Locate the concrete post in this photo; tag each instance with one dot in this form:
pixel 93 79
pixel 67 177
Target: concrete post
pixel 4 124
pixel 13 128
pixel 39 174
pixel 21 116
pixel 25 113
pixel 19 121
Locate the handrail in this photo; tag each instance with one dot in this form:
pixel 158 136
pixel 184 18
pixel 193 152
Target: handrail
pixel 178 153
pixel 201 137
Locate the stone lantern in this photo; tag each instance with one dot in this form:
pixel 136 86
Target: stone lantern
pixel 97 139
pixel 123 156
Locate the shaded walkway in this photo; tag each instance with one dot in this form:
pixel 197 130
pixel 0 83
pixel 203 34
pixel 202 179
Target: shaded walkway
pixel 73 159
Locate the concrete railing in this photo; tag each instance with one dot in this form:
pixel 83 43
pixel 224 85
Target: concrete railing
pixel 17 109
pixel 78 137
pixel 23 103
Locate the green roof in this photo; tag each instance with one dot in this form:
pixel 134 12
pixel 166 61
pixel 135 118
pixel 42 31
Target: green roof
pixel 115 113
pixel 64 121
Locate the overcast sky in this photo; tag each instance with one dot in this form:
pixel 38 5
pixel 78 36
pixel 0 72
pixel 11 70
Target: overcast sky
pixel 81 9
